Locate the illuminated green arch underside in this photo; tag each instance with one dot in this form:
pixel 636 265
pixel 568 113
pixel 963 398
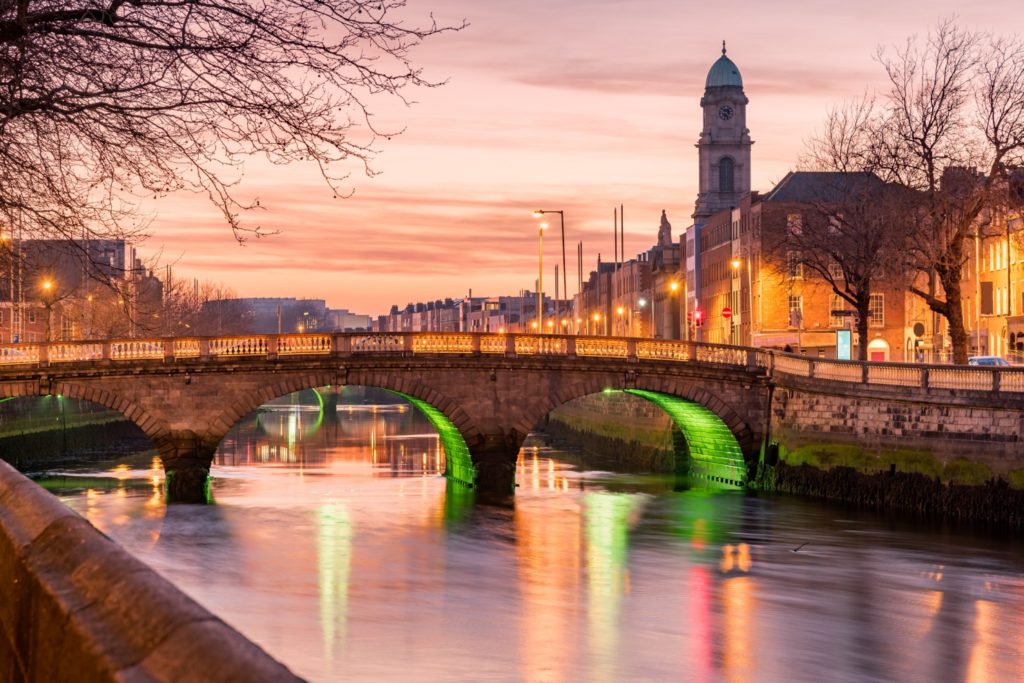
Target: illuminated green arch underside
pixel 712 451
pixel 458 465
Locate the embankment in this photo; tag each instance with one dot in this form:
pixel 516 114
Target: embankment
pixel 957 482
pixel 76 607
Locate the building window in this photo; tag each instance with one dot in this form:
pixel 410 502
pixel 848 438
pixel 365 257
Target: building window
pixel 31 317
pixel 794 264
pixel 726 174
pixel 876 310
pixel 794 224
pixel 796 311
pixel 835 271
pixel 835 224
pixel 838 304
pixel 986 298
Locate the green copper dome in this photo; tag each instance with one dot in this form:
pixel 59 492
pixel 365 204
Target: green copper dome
pixel 724 73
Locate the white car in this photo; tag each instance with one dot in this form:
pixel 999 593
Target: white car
pixel 988 361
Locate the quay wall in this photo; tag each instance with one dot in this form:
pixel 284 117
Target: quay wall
pixel 76 607
pixel 956 441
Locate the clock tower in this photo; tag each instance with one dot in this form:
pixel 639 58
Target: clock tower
pixel 724 145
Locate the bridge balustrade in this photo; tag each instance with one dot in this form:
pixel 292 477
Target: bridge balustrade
pixel 602 347
pixel 664 350
pixel 551 346
pixel 494 343
pixel 895 375
pixel 12 354
pixel 304 344
pixel 186 348
pixel 961 378
pixel 74 352
pixel 724 355
pixel 442 343
pixel 378 343
pixel 1011 380
pixel 838 371
pixel 792 365
pixel 135 349
pixel 749 359
pixel 239 346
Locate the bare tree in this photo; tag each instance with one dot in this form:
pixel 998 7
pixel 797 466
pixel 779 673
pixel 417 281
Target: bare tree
pixel 853 234
pixel 104 102
pixel 953 123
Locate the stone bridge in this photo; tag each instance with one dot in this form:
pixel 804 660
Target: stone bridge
pixel 485 392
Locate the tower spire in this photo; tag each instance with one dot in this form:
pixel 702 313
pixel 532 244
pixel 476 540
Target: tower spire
pixel 723 48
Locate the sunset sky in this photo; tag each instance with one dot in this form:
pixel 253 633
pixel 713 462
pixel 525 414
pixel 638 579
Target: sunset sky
pixel 557 104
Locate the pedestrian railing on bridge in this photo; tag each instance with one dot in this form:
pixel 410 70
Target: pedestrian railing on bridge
pixel 750 360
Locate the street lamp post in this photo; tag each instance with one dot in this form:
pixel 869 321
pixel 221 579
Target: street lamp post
pixel 673 287
pixel 540 277
pixel 561 221
pixel 734 300
pixel 47 287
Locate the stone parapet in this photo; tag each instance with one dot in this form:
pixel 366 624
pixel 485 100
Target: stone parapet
pixel 75 606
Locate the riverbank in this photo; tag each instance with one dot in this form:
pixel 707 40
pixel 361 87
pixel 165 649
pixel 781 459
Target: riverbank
pixel 83 443
pixel 623 432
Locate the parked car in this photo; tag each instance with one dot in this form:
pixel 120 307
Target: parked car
pixel 988 361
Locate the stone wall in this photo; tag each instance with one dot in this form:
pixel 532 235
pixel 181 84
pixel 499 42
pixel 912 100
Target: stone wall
pixel 956 442
pixel 75 606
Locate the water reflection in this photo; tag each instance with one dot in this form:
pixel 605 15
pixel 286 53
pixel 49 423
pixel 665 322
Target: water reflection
pixel 343 552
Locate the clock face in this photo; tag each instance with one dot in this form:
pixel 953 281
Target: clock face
pixel 725 112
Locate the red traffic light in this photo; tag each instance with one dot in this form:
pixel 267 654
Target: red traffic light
pixel 698 317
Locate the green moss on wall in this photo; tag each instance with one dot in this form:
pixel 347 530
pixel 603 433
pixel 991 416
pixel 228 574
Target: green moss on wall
pixel 827 456
pixel 963 471
pixel 1016 479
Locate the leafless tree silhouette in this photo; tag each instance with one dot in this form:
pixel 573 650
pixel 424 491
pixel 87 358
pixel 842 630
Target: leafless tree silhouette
pixel 106 102
pixel 952 129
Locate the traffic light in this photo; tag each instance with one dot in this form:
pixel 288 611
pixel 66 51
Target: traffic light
pixel 698 318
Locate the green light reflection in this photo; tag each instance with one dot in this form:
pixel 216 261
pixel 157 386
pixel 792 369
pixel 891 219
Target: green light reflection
pixel 334 563
pixel 607 518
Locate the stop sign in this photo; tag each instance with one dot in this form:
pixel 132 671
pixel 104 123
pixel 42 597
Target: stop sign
pixel 726 313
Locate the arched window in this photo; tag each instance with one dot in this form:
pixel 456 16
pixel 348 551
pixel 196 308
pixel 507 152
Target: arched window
pixel 726 174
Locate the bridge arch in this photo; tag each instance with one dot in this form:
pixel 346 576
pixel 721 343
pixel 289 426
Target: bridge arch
pixel 132 412
pixel 718 442
pixel 452 424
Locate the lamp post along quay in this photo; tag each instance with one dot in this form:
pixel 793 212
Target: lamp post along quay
pixel 561 222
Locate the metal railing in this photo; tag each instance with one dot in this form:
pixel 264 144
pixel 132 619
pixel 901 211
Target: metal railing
pixel 750 360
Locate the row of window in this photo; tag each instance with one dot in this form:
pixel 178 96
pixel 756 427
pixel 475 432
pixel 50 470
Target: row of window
pixel 795 267
pixel 995 300
pixel 17 317
pixel 876 311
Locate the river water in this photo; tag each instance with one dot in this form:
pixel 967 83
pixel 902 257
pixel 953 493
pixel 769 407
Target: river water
pixel 336 545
